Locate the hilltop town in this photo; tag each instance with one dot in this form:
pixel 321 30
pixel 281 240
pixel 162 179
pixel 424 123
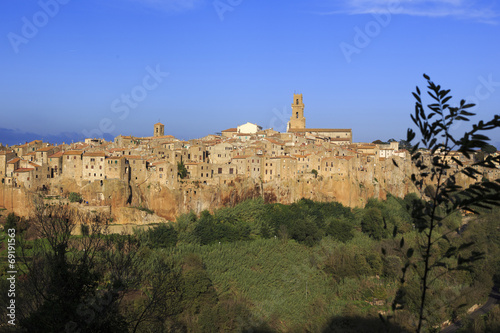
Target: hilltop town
pixel 171 176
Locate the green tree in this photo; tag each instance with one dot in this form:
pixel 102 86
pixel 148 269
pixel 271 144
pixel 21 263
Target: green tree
pixel 315 173
pixel 60 289
pixel 75 197
pixel 11 222
pixel 181 170
pixel 340 229
pixel 446 195
pixel 161 236
pixel 403 144
pixel 372 223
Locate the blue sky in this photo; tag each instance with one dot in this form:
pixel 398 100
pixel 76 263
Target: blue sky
pixel 71 68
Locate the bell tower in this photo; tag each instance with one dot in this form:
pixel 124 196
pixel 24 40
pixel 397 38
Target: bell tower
pixel 159 130
pixel 297 120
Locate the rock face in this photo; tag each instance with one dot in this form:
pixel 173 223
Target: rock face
pixel 132 215
pixel 352 187
pixel 15 199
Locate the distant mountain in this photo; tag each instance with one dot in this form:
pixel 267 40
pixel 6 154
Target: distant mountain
pixel 14 137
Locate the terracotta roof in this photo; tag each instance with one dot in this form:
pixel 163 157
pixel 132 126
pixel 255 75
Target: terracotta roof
pixel 24 169
pixel 285 156
pixel 274 141
pixel 5 152
pixel 56 155
pixel 14 160
pixel 45 149
pixel 73 152
pixel 114 157
pixel 35 165
pixel 234 129
pixel 159 163
pixel 96 154
pixel 35 142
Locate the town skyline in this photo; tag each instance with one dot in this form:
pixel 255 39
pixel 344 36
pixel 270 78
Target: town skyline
pixel 200 67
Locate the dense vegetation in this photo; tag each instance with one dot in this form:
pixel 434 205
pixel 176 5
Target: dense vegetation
pixel 307 266
pixel 396 265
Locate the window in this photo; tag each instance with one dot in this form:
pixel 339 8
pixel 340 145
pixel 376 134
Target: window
pixel 297 114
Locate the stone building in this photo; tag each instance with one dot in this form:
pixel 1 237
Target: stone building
pixel 72 165
pixel 54 162
pixel 138 166
pixel 93 166
pixel 159 130
pixel 42 154
pixel 297 119
pixel 116 168
pixel 248 128
pixel 297 125
pixel 5 156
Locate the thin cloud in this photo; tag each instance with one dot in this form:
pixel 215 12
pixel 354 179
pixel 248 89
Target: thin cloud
pixel 461 9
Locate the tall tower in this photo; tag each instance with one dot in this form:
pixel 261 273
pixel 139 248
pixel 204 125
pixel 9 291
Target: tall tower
pixel 297 120
pixel 159 130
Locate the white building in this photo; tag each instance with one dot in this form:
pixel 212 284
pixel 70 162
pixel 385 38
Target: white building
pixel 249 128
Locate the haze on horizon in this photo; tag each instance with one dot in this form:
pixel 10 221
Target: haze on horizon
pixel 76 68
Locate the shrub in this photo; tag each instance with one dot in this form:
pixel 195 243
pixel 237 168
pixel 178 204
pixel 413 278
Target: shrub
pixel 11 221
pixel 75 197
